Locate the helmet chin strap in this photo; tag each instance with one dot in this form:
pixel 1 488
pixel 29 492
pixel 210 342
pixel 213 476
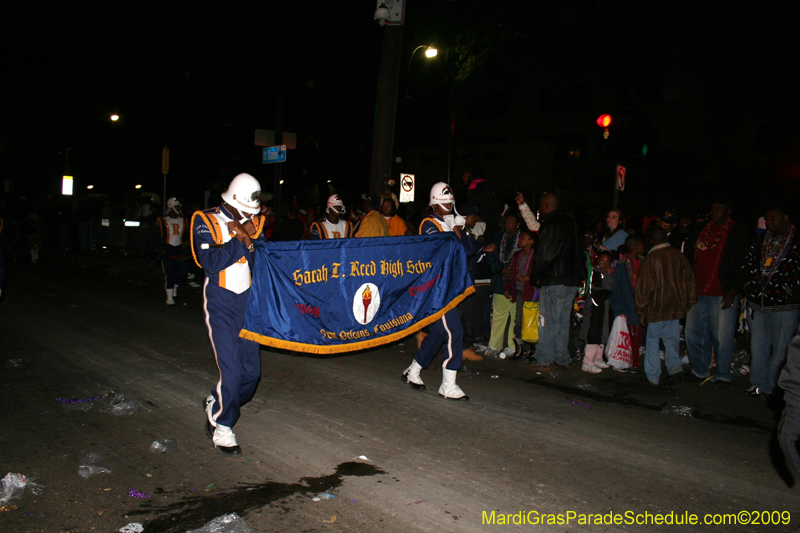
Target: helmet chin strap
pixel 243 217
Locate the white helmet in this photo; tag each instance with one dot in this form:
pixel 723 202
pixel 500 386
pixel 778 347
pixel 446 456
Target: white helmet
pixel 173 202
pixel 441 193
pixel 334 200
pixel 244 193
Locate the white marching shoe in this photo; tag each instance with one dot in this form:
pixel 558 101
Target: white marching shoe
pixel 170 300
pixel 225 441
pixel 411 376
pixel 449 390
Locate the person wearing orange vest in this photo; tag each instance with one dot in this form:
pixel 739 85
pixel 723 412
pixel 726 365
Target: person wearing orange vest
pixel 332 226
pixel 170 232
pixel 397 226
pixel 223 244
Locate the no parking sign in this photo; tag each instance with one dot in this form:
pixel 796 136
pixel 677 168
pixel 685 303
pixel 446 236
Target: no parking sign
pixel 406 188
pixel 620 178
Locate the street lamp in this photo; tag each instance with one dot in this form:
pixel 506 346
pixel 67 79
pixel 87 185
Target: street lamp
pixel 430 52
pixel 114 117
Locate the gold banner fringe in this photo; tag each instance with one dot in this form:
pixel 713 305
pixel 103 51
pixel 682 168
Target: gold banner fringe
pixel 355 346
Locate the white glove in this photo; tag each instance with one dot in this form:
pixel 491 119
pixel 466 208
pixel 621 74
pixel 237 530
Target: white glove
pixel 459 221
pixel 479 229
pixel 449 222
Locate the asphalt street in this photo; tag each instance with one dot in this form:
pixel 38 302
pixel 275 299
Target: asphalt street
pixel 395 460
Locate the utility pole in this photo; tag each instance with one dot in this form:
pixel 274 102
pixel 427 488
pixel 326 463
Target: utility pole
pixel 386 107
pixel 280 49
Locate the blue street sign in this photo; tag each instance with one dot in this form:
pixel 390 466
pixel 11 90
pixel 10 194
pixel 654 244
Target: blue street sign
pixel 273 154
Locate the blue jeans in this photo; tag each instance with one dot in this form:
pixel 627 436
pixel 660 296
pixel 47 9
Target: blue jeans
pixel 555 307
pixel 668 331
pixel 770 335
pixel 707 325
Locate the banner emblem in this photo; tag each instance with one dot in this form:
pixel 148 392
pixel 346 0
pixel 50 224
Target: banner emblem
pixel 366 303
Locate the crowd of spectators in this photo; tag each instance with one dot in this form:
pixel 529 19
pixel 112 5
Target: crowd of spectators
pixel 685 283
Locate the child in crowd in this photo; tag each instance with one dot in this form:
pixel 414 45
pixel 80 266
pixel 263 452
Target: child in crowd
pixel 623 300
pixel 507 243
pixel 517 287
pixel 595 327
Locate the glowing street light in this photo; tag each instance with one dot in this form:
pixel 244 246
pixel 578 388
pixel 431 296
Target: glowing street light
pixel 431 52
pixel 138 186
pixel 114 117
pixel 90 187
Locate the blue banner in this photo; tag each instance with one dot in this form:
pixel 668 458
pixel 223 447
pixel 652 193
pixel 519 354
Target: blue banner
pixel 341 295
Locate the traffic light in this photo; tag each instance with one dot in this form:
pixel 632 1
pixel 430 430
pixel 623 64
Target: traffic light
pixel 604 145
pixel 604 121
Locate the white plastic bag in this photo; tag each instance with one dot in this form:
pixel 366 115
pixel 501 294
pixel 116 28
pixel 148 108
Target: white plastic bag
pixel 13 485
pixel 228 523
pixel 618 348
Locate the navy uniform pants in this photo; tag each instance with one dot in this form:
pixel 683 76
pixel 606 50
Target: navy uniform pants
pixel 238 359
pixel 174 270
pixel 447 331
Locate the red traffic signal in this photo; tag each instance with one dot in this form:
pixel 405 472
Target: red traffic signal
pixel 604 121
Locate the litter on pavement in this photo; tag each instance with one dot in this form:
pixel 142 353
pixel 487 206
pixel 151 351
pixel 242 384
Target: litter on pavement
pixel 228 523
pixel 133 527
pixel 13 485
pixel 163 446
pixel 133 493
pixel 680 410
pixel 93 464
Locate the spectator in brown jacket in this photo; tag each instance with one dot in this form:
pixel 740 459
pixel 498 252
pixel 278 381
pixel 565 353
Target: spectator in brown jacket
pixel 665 291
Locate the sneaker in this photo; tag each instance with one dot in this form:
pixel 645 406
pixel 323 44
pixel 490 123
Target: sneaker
pixel 592 369
pixel 601 364
pixel 685 360
pixel 759 392
pixel 620 370
pixel 517 348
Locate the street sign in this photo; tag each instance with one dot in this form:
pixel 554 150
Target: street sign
pixel 620 178
pixel 273 154
pixel 165 160
pixel 406 188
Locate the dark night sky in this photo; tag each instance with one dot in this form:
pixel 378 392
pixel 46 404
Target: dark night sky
pixel 200 78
